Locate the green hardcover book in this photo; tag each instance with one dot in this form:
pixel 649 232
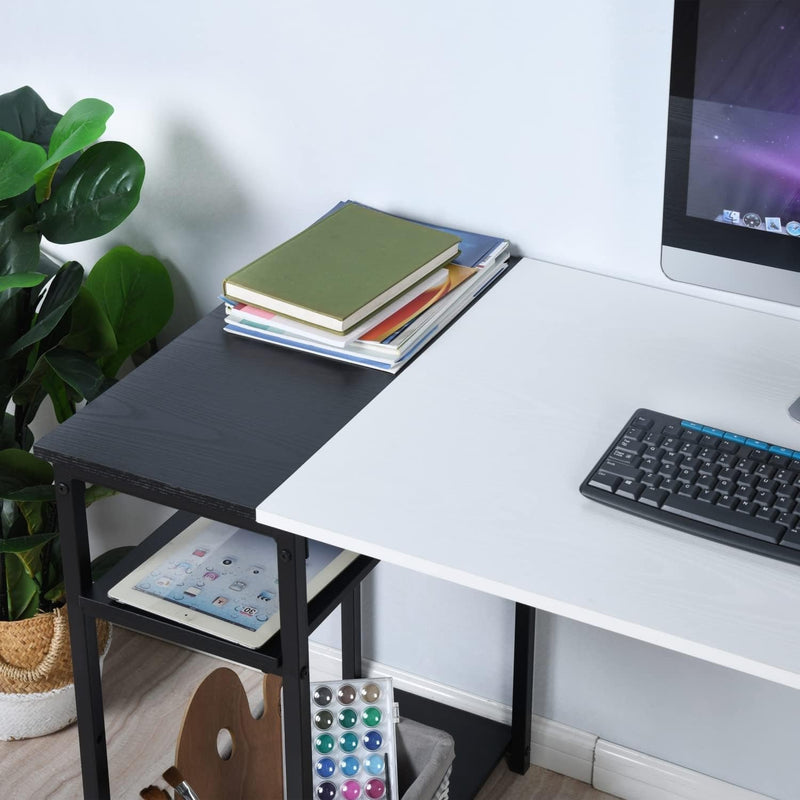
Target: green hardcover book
pixel 343 268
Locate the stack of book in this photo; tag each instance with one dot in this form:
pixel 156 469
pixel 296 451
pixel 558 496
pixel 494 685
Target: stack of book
pixel 362 286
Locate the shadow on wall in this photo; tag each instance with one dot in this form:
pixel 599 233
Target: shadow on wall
pixel 192 208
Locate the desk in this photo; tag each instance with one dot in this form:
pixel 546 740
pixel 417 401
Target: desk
pixel 511 407
pixel 208 426
pixel 495 428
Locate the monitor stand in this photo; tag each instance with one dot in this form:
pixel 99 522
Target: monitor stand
pixel 794 410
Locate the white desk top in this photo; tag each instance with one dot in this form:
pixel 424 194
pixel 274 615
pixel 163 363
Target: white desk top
pixel 467 466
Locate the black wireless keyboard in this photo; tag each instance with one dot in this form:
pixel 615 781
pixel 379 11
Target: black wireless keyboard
pixel 705 481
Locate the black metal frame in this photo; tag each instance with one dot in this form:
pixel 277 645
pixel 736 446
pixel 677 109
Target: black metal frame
pixel 289 656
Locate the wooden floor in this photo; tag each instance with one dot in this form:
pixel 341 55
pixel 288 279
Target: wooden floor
pixel 148 685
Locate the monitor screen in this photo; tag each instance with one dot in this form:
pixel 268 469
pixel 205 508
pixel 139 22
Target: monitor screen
pixel 732 189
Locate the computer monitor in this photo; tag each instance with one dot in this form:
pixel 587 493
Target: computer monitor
pixel 732 190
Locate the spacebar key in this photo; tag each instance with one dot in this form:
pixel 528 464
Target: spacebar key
pixel 722 518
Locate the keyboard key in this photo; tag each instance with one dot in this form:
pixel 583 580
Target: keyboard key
pixel 715 432
pixel 734 437
pixel 784 504
pixel 728 501
pixel 654 452
pixel 687 490
pixel 624 458
pixel 694 426
pixel 779 460
pixel 723 518
pixel 630 489
pixel 728 447
pixel 764 498
pixel 634 433
pixel 789 492
pixel 670 485
pixel 653 497
pixel 629 445
pixel 706 481
pixel 789 520
pixel 729 474
pixel 725 487
pixel 623 471
pixel 605 481
pixel 791 539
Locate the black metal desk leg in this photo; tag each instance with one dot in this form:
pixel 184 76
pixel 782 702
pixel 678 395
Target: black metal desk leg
pixel 519 756
pixel 294 654
pixel 351 633
pixel 83 635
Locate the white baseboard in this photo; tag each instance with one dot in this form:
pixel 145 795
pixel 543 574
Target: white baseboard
pixel 636 776
pixel 608 767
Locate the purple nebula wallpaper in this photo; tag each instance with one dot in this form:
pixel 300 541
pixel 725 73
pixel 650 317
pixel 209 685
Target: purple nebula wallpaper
pixel 744 166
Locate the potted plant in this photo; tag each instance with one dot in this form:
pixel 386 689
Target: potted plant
pixel 63 336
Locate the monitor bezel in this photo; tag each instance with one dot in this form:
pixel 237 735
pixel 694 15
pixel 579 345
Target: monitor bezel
pixel 739 258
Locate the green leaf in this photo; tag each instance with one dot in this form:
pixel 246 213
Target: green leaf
pixel 60 295
pixel 63 404
pixel 19 162
pixel 8 434
pixel 19 469
pixel 81 125
pixel 135 291
pixel 19 242
pixel 21 280
pixel 103 563
pixel 33 494
pixel 24 114
pixel 78 371
pixel 96 492
pixel 90 330
pixel 24 543
pixel 101 188
pixel 22 590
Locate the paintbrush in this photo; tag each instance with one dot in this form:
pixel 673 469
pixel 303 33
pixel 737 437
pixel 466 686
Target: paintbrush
pixel 153 793
pixel 182 789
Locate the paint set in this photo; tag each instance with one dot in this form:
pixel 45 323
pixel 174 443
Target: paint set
pixel 353 739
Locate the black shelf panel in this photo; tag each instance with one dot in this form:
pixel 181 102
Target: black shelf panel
pixel 267 658
pixel 480 743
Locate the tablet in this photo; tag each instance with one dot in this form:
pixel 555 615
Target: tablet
pixel 222 580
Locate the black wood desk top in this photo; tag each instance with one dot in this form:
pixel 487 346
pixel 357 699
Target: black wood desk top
pixel 212 421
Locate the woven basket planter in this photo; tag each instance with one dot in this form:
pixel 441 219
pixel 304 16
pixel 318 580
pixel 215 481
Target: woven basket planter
pixel 37 695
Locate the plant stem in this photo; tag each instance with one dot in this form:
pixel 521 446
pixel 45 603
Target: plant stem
pixel 4 610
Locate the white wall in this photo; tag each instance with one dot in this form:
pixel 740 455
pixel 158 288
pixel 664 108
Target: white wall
pixel 540 121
